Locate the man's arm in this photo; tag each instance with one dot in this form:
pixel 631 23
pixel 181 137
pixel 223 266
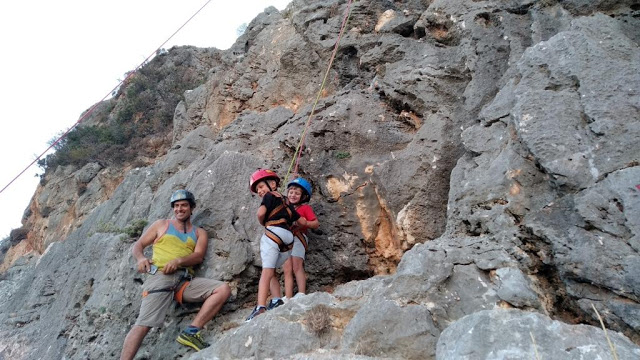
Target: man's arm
pixel 147 238
pixel 192 259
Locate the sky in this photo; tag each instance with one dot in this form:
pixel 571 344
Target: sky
pixel 60 57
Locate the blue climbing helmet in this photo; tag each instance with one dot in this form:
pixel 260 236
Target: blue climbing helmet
pixel 183 195
pixel 304 185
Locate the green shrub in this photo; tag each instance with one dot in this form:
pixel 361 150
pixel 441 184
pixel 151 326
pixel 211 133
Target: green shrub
pixel 143 107
pixel 342 154
pixel 107 228
pixel 136 228
pixel 133 230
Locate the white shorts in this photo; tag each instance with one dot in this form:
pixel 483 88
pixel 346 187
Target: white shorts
pixel 298 248
pixel 270 253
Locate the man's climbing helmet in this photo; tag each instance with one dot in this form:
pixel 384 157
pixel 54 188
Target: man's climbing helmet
pixel 183 195
pixel 261 175
pixel 304 185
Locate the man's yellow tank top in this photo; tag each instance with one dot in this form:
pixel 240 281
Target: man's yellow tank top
pixel 173 244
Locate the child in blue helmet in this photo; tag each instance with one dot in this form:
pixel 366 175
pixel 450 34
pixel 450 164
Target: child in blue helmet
pixel 299 194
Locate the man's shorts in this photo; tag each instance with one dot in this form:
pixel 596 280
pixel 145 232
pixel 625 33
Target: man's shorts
pixel 270 253
pixel 298 249
pixel 154 306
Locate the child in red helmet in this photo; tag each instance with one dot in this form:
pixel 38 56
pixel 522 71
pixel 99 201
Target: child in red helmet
pixel 298 194
pixel 277 216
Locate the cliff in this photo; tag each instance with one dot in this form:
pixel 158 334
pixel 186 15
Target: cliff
pixel 474 164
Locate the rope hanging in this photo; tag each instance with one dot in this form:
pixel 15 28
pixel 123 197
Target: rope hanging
pixel 298 153
pixel 90 111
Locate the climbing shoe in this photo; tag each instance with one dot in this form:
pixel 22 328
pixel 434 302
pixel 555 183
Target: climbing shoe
pixel 275 304
pixel 257 311
pixel 192 340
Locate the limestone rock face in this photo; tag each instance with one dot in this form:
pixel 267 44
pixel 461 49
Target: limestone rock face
pixel 466 158
pixel 515 334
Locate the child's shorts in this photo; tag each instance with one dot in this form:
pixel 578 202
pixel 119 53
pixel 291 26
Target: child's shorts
pixel 298 249
pixel 154 306
pixel 270 253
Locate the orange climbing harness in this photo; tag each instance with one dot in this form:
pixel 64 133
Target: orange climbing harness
pixel 177 289
pixel 279 222
pixel 301 237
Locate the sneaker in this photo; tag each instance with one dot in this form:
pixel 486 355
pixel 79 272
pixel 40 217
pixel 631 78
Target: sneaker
pixel 275 304
pixel 193 340
pixel 257 311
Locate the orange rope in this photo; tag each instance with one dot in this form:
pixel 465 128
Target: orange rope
pixel 90 111
pixel 298 152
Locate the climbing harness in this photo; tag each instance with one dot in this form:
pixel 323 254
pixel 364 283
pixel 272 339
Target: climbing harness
pixel 301 237
pixel 178 288
pixel 275 238
pixel 280 222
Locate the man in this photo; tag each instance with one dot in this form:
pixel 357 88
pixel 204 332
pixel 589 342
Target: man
pixel 177 246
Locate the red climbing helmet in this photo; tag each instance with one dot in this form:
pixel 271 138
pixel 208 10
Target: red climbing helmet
pixel 260 175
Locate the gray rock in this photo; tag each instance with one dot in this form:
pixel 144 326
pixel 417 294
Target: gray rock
pixel 384 328
pixel 514 334
pixel 88 172
pixel 456 148
pixel 515 289
pixel 567 85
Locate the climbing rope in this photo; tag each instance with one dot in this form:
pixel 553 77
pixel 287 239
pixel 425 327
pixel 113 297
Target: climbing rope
pixel 298 152
pixel 90 111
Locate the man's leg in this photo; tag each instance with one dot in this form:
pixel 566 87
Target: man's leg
pixel 288 278
pixel 212 305
pixel 132 341
pixel 301 277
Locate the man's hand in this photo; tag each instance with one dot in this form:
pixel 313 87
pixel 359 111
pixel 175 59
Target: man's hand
pixel 144 265
pixel 172 266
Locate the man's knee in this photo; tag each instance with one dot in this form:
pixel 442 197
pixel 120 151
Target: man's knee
pixel 138 331
pixel 141 328
pixel 223 291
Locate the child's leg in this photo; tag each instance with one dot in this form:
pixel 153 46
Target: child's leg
pixel 269 254
pixel 301 277
pixel 263 285
pixel 288 278
pixel 274 287
pixel 272 258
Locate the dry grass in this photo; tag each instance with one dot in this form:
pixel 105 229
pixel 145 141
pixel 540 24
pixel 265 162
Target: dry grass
pixel 318 320
pixel 535 347
pixel 611 346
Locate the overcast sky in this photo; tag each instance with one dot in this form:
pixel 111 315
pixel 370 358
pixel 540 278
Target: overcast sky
pixel 60 57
